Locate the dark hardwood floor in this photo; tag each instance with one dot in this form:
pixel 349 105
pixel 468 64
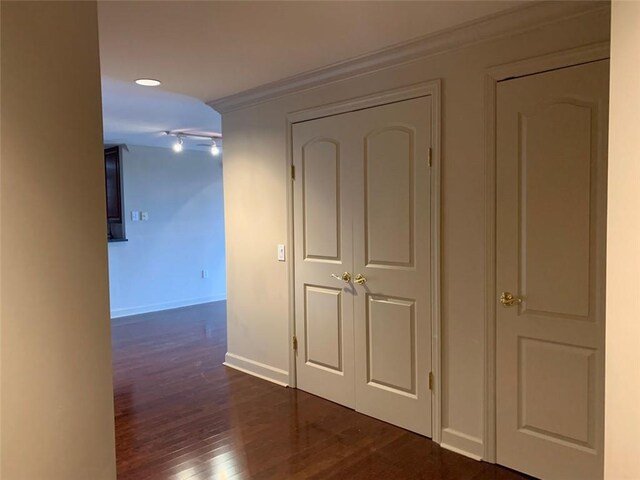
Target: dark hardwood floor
pixel 180 414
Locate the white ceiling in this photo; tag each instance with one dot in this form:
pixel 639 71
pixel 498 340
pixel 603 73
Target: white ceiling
pixel 207 50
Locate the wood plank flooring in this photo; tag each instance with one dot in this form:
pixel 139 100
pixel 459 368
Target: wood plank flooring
pixel 180 414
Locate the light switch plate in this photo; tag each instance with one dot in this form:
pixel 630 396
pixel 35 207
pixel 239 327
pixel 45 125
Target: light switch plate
pixel 135 216
pixel 144 216
pixel 281 255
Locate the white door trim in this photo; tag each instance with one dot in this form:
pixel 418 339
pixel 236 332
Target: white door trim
pixel 433 89
pixel 553 61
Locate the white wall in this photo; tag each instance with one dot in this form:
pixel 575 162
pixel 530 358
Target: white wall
pixel 256 183
pixel 160 265
pixel 622 394
pixel 57 395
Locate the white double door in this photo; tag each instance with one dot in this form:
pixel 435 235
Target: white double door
pixel 362 205
pixel 551 227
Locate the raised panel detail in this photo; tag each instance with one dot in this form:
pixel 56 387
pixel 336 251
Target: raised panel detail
pixel 323 327
pixel 555 172
pixel 321 199
pixel 389 219
pixel 391 343
pixel 556 391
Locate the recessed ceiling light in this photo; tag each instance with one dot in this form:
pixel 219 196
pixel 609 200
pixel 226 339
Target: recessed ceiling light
pixel 148 82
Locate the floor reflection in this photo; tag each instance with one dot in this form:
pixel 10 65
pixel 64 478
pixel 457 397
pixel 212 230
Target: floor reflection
pixel 180 414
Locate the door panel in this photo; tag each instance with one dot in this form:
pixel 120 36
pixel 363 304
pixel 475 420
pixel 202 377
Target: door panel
pixel 551 221
pixel 389 196
pixel 555 143
pixel 567 371
pixel 391 218
pixel 323 327
pixel 323 246
pixel 391 342
pixel 321 199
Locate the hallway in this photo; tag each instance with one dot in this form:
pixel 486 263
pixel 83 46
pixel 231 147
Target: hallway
pixel 180 414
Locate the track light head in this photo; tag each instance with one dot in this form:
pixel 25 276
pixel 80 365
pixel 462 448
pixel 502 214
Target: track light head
pixel 178 146
pixel 215 151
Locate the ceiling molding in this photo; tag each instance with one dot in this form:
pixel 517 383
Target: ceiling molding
pixel 516 20
pixel 576 56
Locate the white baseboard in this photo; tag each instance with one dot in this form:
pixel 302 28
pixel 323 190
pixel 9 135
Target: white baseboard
pixel 257 369
pixel 125 312
pixel 462 443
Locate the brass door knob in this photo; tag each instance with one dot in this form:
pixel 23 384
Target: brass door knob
pixel 360 279
pixel 508 300
pixel 345 277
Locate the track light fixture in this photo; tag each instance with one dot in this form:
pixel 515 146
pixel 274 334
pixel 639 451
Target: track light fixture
pixel 178 146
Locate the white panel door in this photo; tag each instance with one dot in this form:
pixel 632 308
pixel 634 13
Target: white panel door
pixel 392 251
pixel 323 248
pixel 362 206
pixel 551 224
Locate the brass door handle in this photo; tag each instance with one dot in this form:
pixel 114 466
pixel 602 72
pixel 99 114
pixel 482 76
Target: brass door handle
pixel 360 279
pixel 508 300
pixel 345 277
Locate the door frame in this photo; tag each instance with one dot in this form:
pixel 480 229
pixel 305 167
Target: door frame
pixel 433 89
pixel 493 75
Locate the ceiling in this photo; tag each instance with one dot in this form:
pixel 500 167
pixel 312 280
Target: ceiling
pixel 206 50
pixel 136 115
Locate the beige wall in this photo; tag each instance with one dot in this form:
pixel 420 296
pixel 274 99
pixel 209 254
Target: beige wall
pixel 57 399
pixel 622 394
pixel 256 183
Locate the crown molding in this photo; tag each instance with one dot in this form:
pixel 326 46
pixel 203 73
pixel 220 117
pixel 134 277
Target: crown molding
pixel 513 21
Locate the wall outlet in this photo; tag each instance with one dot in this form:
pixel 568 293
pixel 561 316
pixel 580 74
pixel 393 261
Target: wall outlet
pixel 205 274
pixel 144 216
pixel 281 254
pixel 135 216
